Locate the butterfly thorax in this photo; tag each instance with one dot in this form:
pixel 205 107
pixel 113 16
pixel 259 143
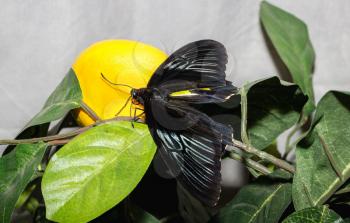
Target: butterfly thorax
pixel 141 95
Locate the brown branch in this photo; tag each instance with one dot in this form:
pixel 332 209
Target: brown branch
pixel 89 111
pixel 58 142
pixel 63 136
pixel 264 156
pixel 250 163
pixel 60 139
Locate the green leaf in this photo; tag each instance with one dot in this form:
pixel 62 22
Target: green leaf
pixel 313 215
pixel 65 97
pixel 96 170
pixel 138 215
pixel 25 195
pixel 16 170
pixel 261 201
pixel 323 156
pixel 273 106
pixel 126 211
pixel 345 188
pixel 27 133
pixel 289 36
pixel 191 210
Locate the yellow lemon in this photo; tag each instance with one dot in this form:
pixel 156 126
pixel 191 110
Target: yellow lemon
pixel 120 61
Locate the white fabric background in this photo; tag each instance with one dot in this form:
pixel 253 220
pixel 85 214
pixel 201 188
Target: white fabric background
pixel 39 41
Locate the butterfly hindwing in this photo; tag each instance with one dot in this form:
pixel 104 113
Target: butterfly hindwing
pixel 191 151
pixel 195 163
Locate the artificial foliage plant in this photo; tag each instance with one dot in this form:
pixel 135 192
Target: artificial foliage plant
pixel 103 172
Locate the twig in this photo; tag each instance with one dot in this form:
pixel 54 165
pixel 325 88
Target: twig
pixel 244 108
pixel 60 139
pixel 264 156
pixel 89 111
pixel 67 135
pixel 250 163
pixel 58 142
pixel 44 139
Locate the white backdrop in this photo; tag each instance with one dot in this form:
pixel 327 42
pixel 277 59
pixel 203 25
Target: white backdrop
pixel 39 41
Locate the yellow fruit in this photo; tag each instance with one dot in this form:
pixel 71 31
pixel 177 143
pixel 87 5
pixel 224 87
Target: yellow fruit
pixel 120 61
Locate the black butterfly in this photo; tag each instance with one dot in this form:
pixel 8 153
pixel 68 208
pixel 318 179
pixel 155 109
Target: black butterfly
pixel 190 142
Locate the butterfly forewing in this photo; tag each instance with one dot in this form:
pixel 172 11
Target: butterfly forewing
pixel 190 142
pixel 205 95
pixel 201 63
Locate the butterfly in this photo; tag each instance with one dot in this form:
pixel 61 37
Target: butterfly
pixel 189 142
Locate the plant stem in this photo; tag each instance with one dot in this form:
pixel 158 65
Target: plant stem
pixel 44 139
pixel 90 112
pixel 58 142
pixel 244 108
pixel 58 139
pixel 61 139
pixel 264 156
pixel 250 163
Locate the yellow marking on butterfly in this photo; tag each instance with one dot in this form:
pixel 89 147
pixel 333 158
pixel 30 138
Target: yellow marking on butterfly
pixel 188 92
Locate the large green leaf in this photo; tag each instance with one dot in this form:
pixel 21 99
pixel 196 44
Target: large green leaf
pixel 323 157
pixel 314 215
pixel 261 201
pixel 16 170
pixel 290 38
pixel 65 97
pixel 96 170
pixel 273 106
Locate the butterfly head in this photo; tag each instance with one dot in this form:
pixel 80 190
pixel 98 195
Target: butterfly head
pixel 139 95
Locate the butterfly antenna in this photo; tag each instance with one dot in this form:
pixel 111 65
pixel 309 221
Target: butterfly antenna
pixel 127 101
pixel 111 83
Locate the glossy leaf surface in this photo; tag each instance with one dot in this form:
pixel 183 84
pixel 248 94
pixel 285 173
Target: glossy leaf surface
pixel 96 170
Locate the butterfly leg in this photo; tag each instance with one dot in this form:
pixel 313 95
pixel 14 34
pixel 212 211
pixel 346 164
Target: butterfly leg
pixel 132 121
pixel 136 117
